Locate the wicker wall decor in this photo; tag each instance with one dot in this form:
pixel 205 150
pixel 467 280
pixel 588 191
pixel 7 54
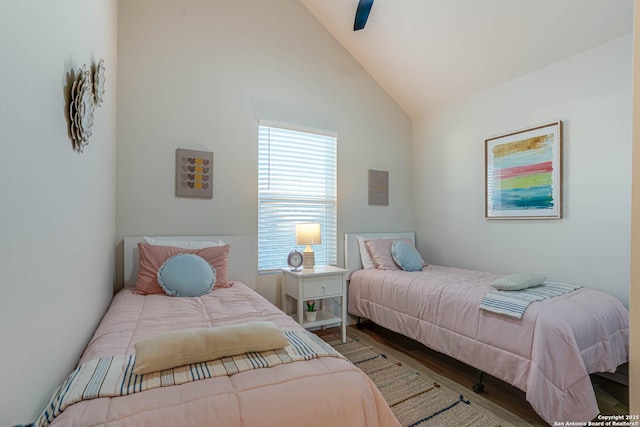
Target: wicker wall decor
pixel 87 94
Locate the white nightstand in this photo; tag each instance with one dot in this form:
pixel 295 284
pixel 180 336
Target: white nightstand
pixel 319 283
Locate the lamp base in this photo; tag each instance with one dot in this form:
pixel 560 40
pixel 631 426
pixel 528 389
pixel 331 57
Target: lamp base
pixel 309 259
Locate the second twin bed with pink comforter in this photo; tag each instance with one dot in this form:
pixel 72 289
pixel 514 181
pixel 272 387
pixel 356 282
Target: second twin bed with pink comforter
pixel 549 353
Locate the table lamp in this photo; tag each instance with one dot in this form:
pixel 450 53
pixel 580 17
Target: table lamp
pixel 308 234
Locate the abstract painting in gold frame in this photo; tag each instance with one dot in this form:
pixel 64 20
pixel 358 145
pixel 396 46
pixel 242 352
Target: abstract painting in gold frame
pixel 523 174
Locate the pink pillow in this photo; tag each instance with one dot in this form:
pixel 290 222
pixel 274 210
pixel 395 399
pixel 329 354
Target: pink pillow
pixel 380 251
pixel 153 256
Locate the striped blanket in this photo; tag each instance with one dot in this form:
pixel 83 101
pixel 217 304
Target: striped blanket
pixel 112 376
pixel 514 303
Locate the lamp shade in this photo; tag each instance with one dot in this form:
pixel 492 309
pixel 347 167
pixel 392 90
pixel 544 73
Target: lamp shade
pixel 308 234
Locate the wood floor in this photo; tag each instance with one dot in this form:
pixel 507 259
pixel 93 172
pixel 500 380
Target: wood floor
pixel 500 398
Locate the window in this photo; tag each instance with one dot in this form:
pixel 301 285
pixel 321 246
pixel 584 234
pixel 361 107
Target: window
pixel 297 175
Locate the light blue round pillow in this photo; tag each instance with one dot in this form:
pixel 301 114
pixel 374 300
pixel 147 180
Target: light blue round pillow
pixel 186 275
pixel 406 256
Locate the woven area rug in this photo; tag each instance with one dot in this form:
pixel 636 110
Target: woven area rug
pixel 414 399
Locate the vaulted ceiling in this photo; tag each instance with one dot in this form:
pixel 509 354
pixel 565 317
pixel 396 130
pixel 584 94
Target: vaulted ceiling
pixel 428 53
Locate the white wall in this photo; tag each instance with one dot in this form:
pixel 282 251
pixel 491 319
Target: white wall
pixel 199 74
pixel 591 94
pixel 57 213
pixel 634 297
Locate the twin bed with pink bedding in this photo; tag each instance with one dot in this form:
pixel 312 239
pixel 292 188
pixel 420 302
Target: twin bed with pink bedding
pixel 548 353
pixel 327 391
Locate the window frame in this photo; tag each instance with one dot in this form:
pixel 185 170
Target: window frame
pixel 272 257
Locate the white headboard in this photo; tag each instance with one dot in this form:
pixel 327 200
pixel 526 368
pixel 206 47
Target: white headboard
pixel 242 256
pixel 352 261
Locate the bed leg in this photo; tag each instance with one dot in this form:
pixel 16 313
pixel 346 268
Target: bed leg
pixel 360 324
pixel 479 386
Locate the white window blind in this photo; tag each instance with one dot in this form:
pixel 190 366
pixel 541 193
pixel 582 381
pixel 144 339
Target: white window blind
pixel 297 176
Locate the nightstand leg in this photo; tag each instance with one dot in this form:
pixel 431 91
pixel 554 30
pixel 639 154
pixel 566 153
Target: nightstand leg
pixel 344 319
pixel 300 311
pixel 283 294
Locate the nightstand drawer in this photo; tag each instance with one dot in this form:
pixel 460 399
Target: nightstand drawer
pixel 321 286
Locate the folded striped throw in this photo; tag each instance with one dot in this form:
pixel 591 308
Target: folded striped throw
pixel 514 303
pixel 113 376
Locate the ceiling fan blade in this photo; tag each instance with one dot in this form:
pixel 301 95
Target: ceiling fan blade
pixel 362 14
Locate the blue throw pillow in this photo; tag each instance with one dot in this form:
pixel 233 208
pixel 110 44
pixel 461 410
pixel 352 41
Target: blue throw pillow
pixel 407 256
pixel 186 275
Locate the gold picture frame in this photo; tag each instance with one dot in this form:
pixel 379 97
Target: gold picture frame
pixel 523 173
